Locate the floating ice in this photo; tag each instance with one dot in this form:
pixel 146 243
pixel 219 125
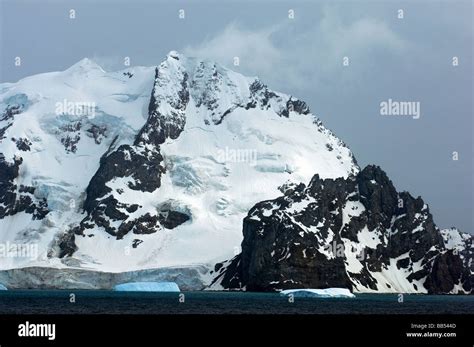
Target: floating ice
pixel 2 287
pixel 319 293
pixel 147 287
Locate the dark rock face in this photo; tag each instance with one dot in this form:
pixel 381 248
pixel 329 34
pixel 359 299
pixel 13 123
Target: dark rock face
pixel 160 126
pixel 136 243
pixel 457 261
pixel 71 135
pixel 15 105
pixel 97 132
pixel 14 198
pixel 260 96
pixel 66 244
pixel 3 130
pixel 141 166
pixel 351 233
pixel 23 144
pixel 171 219
pixel 11 111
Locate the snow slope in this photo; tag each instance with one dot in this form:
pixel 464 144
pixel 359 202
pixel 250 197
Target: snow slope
pixel 58 172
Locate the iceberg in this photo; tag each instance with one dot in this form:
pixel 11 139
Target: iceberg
pixel 319 293
pixel 2 287
pixel 147 287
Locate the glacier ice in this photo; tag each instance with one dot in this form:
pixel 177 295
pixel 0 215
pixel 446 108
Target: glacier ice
pixel 147 287
pixel 319 293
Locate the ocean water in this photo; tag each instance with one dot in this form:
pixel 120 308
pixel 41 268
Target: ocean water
pixel 110 302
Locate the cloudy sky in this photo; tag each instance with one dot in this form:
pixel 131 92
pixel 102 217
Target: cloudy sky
pixel 407 59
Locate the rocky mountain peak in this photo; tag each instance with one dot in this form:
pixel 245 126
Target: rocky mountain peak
pixel 357 232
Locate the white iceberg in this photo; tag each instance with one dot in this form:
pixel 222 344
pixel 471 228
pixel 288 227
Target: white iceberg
pixel 147 287
pixel 319 293
pixel 2 287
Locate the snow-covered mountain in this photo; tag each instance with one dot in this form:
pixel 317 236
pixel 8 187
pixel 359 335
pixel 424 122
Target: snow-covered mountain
pixel 150 173
pixel 149 167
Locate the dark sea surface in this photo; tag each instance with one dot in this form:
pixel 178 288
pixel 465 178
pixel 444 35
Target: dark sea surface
pixel 110 302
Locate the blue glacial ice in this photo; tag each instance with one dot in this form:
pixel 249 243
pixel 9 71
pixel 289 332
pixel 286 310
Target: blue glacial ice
pixel 147 287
